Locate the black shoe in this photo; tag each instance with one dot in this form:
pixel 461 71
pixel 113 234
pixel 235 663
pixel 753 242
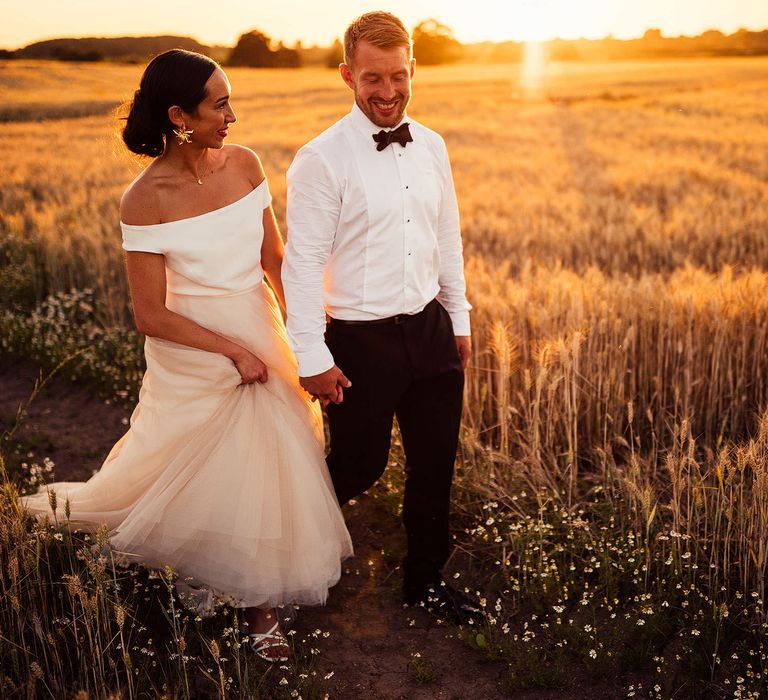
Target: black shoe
pixel 445 602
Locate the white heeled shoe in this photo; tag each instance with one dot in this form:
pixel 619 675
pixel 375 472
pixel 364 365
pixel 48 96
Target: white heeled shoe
pixel 272 639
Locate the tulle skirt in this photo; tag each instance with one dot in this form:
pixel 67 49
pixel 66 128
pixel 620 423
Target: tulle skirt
pixel 225 484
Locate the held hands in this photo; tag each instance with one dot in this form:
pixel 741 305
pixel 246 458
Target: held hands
pixel 464 346
pixel 327 386
pixel 251 368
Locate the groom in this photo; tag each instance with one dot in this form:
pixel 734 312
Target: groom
pixel 374 241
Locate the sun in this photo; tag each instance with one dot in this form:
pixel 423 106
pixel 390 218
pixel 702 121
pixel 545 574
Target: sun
pixel 533 20
pixel 535 24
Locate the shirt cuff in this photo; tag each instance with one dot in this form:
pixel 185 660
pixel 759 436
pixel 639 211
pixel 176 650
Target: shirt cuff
pixel 314 361
pixel 460 321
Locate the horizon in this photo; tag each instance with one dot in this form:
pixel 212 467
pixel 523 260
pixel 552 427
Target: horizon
pixel 520 20
pixel 308 45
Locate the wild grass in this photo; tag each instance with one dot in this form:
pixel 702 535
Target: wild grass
pixel 614 225
pixel 73 622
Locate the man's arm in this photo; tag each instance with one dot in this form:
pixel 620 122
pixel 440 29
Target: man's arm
pixel 453 288
pixel 314 204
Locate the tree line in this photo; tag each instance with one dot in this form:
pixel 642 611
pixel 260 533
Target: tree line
pixel 433 43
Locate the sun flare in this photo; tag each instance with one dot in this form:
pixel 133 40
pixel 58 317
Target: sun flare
pixel 533 66
pixel 541 20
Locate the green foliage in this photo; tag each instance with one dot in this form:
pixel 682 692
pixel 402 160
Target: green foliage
pixel 64 326
pixel 582 593
pixel 421 670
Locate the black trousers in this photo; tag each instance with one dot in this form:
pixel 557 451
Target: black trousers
pixel 410 370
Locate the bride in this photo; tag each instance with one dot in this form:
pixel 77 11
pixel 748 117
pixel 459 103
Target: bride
pixel 221 475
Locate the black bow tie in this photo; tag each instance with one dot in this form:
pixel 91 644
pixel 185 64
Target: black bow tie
pixel 402 135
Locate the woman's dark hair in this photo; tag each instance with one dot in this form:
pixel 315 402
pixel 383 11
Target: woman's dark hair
pixel 175 77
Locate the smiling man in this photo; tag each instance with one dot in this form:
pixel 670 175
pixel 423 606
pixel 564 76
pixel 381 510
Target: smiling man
pixel 374 241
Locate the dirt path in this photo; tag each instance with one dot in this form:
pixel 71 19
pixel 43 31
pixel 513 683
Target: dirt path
pixel 373 638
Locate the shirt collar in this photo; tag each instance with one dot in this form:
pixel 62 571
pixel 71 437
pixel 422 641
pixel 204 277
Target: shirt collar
pixel 365 125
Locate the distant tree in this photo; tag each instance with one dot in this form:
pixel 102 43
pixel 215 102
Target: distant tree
pixel 252 49
pixel 712 40
pixel 6 54
pixel 286 58
pixel 652 35
pixel 335 55
pixel 434 43
pixel 312 55
pixel 137 49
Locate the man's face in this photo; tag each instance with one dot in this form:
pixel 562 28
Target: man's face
pixel 381 81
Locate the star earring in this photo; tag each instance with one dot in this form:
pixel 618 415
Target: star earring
pixel 183 135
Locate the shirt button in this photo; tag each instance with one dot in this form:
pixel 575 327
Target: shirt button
pixel 408 221
pixel 406 187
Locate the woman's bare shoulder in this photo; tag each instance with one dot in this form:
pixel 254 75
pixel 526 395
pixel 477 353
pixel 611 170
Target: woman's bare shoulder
pixel 139 204
pixel 246 160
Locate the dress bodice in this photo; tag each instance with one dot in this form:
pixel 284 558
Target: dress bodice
pixel 217 253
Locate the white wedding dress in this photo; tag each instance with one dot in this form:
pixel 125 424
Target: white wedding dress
pixel 226 484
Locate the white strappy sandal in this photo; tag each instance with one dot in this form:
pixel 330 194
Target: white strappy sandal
pixel 272 639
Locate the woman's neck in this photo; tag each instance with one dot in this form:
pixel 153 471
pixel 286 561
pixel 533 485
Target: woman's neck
pixel 189 160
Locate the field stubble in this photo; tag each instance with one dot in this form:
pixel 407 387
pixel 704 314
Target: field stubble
pixel 614 225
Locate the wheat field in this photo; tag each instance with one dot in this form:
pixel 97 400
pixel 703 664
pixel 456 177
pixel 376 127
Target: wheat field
pixel 614 221
pixel 615 215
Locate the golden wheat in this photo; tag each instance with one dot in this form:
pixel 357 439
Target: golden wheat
pixel 614 226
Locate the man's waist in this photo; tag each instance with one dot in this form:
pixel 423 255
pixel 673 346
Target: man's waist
pixel 373 320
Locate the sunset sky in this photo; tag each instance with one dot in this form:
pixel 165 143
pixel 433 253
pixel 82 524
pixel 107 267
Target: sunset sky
pixel 221 22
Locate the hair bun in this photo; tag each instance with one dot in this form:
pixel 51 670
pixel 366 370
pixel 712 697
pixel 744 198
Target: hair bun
pixel 175 77
pixel 141 134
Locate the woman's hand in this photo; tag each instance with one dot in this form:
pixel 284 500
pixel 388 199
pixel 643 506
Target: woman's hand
pixel 250 367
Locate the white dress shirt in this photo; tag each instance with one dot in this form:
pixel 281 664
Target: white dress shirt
pixel 371 234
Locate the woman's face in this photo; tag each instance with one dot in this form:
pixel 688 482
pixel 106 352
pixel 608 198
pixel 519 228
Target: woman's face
pixel 214 114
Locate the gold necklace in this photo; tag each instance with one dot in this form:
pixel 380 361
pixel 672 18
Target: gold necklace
pixel 200 179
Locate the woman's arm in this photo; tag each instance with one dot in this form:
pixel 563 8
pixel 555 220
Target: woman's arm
pixel 146 278
pixel 272 245
pixel 272 251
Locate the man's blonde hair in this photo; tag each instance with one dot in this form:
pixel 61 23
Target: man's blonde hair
pixel 382 29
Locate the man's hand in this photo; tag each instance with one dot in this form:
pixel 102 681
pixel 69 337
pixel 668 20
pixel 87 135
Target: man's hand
pixel 464 346
pixel 327 386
